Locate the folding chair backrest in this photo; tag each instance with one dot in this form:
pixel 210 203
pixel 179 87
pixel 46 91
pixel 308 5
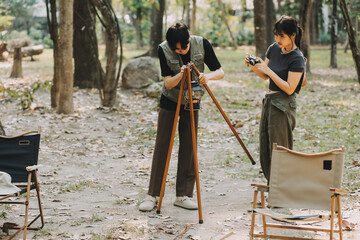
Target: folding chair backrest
pixel 299 180
pixel 17 153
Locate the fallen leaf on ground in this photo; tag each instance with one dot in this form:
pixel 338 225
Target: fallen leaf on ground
pixel 356 163
pixel 348 225
pixel 237 125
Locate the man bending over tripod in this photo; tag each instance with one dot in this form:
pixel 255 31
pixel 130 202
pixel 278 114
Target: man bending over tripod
pixel 179 49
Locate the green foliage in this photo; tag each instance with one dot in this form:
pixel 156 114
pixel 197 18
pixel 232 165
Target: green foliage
pixel 76 187
pixel 43 232
pixel 291 8
pixel 96 218
pixel 324 38
pixel 244 37
pixel 35 34
pixel 134 9
pixel 215 30
pixel 21 8
pixel 48 42
pixel 3 215
pixel 5 22
pixel 26 94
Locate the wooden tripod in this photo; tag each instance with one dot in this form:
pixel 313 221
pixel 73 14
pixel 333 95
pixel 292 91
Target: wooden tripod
pixel 187 77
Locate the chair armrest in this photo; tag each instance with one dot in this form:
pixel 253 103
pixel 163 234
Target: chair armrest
pixel 275 147
pixel 337 191
pixel 24 134
pixel 33 168
pixel 260 187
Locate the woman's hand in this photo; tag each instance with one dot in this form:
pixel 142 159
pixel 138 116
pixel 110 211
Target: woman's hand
pixel 247 59
pixel 262 66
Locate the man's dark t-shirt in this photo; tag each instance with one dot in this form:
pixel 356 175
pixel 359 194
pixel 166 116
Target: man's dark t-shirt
pixel 282 64
pixel 210 60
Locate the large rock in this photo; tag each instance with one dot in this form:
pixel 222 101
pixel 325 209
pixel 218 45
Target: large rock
pixel 154 90
pixel 139 73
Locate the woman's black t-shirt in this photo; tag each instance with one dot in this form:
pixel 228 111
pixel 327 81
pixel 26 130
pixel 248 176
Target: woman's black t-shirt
pixel 282 64
pixel 210 60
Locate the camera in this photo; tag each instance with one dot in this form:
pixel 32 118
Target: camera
pixel 253 60
pixel 196 94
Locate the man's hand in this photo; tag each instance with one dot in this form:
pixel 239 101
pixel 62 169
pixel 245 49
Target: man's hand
pixel 203 78
pixel 172 81
pixel 182 69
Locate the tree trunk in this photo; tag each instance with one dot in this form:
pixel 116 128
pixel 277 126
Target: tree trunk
pixel 53 30
pixel 139 37
pixel 17 65
pixel 260 28
pixel 314 22
pixel 110 81
pixel 136 22
pixel 2 131
pixel 334 17
pixel 304 15
pixel 270 21
pixel 280 9
pixel 193 18
pixel 86 54
pixel 351 37
pixel 223 15
pixel 156 28
pixel 66 79
pixel 186 12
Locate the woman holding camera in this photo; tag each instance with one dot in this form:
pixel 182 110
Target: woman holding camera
pixel 284 66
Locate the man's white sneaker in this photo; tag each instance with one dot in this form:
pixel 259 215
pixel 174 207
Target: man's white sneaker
pixel 185 202
pixel 148 204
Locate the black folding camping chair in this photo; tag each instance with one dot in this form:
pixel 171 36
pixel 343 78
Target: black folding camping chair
pixel 19 158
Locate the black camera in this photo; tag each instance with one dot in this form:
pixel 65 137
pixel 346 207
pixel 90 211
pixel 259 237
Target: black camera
pixel 196 93
pixel 253 60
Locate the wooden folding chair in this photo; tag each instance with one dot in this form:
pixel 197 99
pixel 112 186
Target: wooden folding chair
pixel 300 181
pixel 19 158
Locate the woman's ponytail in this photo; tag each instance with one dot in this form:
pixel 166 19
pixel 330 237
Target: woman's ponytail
pixel 298 37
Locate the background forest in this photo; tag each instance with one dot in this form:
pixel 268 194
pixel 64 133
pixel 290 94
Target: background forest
pixel 98 136
pixel 27 20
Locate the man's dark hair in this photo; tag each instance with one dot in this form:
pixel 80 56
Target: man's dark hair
pixel 178 33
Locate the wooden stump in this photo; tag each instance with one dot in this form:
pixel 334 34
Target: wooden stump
pixel 32 50
pixel 3 49
pixel 17 65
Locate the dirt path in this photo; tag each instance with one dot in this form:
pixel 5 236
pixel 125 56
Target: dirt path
pixel 96 166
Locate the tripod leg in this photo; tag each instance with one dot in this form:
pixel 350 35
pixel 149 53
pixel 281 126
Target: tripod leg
pixel 226 118
pixel 171 145
pixel 229 123
pixel 194 147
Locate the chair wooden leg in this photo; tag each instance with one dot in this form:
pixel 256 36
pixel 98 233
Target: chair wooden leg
pixel 253 215
pixel 332 217
pixel 39 200
pixel 263 216
pixel 27 205
pixel 339 216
